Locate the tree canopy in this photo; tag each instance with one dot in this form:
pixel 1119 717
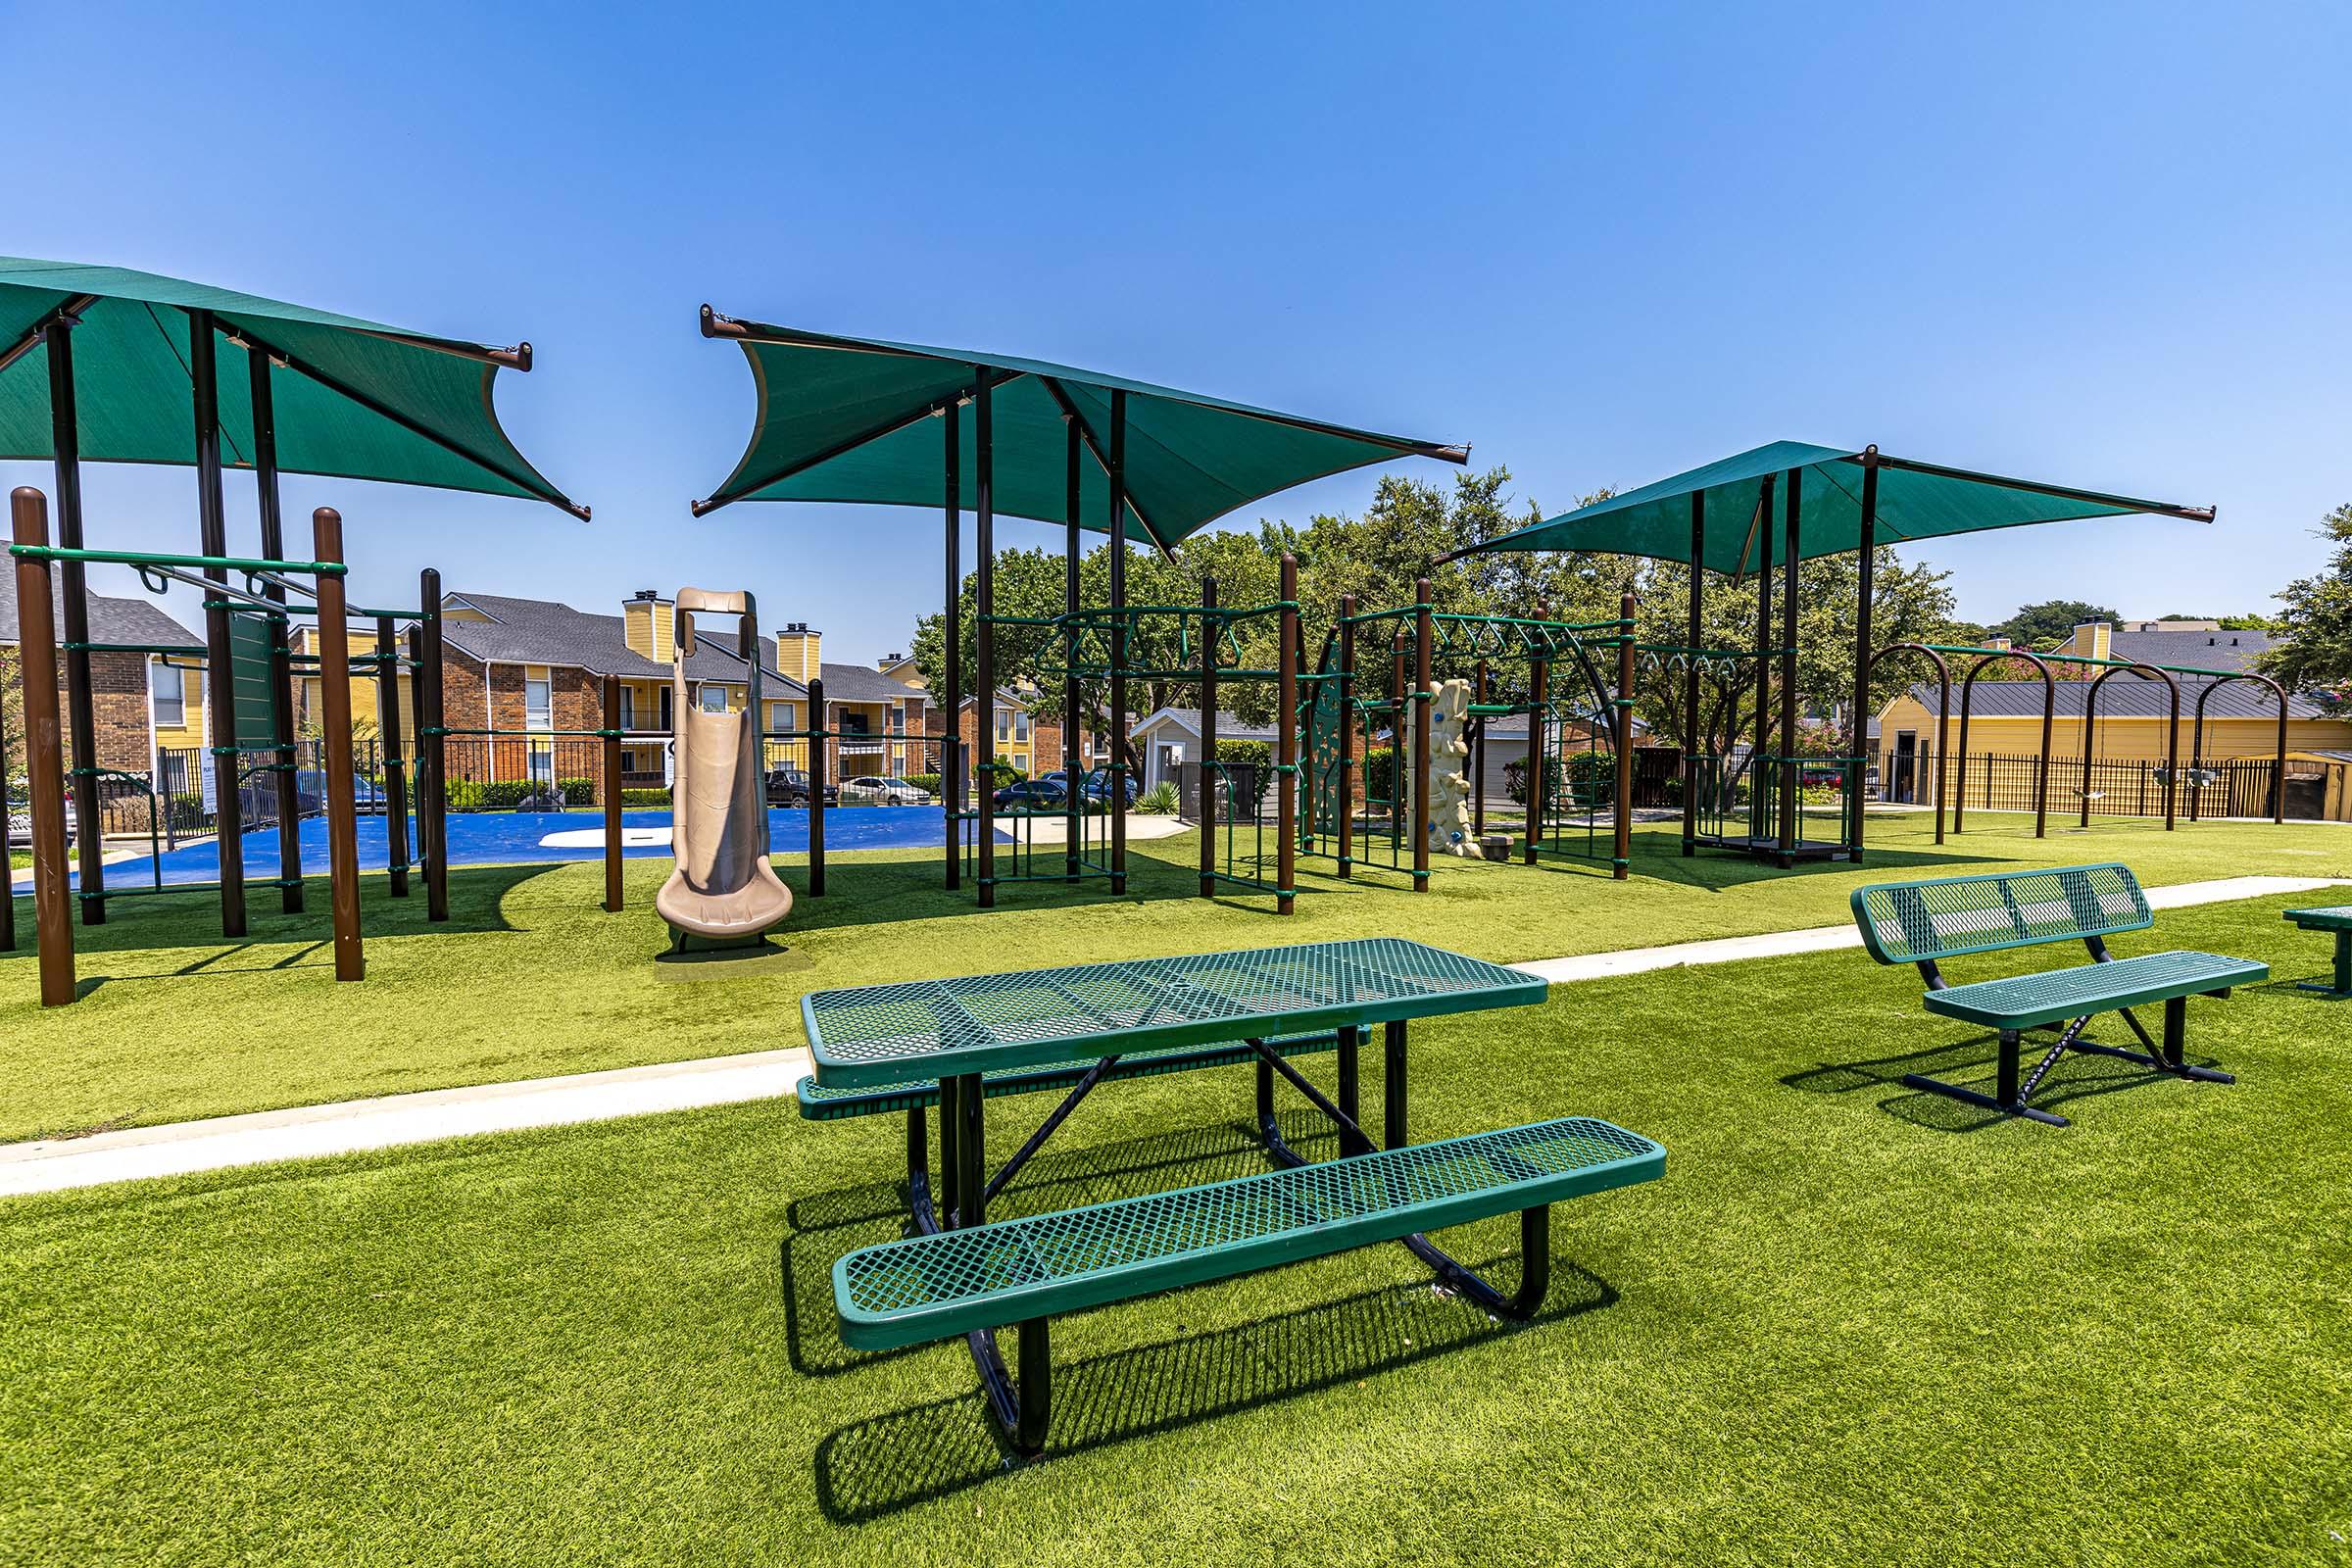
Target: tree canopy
pixel 2316 652
pixel 1376 555
pixel 2043 626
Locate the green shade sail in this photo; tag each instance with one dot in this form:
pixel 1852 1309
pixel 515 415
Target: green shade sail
pixel 851 419
pixel 1915 501
pixel 351 399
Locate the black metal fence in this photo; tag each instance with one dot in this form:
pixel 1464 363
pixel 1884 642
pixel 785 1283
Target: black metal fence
pixel 2110 786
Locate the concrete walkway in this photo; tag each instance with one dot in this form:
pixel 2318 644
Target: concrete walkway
pixel 312 1131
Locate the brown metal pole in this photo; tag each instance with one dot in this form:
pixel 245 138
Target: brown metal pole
pixel 1694 630
pixel 1208 737
pixel 1285 742
pixel 1856 806
pixel 432 750
pixel 1347 759
pixel 44 752
pixel 82 718
pixel 390 738
pixel 612 769
pixel 1622 720
pixel 334 700
pixel 220 696
pixel 1424 698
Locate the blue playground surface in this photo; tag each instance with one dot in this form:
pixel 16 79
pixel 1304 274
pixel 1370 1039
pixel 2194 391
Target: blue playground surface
pixel 509 838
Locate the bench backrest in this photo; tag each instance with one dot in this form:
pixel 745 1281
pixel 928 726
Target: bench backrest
pixel 1920 922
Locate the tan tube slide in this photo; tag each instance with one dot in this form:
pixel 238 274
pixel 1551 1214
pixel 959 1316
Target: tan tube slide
pixel 723 889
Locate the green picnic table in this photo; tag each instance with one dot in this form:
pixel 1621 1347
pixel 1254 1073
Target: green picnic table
pixel 2339 919
pixel 957 1044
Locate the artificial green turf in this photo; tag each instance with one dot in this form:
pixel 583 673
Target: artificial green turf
pixel 1852 1324
pixel 530 978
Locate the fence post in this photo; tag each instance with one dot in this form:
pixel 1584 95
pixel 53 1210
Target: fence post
pixel 1424 698
pixel 334 700
pixel 1538 693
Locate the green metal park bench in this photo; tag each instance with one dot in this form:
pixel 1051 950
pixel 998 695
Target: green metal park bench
pixel 1923 923
pixel 985 1037
pixel 2337 919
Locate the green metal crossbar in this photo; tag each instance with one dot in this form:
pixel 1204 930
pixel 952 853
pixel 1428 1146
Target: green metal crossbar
pixel 931 1287
pixel 150 558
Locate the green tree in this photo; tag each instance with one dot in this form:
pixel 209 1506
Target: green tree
pixel 2315 653
pixel 2045 625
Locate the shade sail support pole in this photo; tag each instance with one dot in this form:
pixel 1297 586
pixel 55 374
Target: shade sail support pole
pixel 984 610
pixel 219 705
pixel 82 704
pixel 1690 721
pixel 1792 551
pixel 1117 775
pixel 952 790
pixel 1073 778
pixel 281 652
pixel 1756 794
pixel 1858 738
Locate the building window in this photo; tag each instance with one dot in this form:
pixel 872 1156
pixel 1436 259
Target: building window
pixel 715 699
pixel 171 697
pixel 1012 726
pixel 538 711
pixel 662 701
pixel 856 723
pixel 628 708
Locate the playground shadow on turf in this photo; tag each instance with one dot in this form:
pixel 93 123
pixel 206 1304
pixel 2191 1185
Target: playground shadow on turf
pixel 1974 1063
pixel 875 1469
pixel 191 921
pixel 1719 870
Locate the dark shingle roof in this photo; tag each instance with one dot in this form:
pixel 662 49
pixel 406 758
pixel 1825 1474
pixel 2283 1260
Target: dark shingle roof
pixel 861 683
pixel 2127 696
pixel 540 631
pixel 112 620
pixel 2195 649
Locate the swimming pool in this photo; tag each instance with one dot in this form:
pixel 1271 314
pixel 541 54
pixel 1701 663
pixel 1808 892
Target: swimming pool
pixel 509 837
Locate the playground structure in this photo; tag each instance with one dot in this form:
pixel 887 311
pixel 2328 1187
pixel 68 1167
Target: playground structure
pixel 319 393
pixel 2171 775
pixel 723 889
pixel 1830 501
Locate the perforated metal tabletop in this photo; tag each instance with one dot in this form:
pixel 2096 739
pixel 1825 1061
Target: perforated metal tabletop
pixel 873 1035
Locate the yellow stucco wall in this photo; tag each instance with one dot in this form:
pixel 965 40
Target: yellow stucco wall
pixel 799 655
pixel 651 629
pixel 2124 739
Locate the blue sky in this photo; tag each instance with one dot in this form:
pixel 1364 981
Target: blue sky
pixel 2099 245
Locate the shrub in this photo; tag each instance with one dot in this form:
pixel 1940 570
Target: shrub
pixel 1158 800
pixel 926 782
pixel 1245 754
pixel 1380 774
pixel 508 794
pixel 644 796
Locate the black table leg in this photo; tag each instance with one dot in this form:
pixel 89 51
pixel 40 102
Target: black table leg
pixel 1391 1083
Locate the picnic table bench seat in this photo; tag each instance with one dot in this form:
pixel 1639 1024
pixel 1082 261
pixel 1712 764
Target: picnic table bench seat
pixel 1926 924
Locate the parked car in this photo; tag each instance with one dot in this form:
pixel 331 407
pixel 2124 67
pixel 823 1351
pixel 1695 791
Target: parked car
pixel 883 792
pixel 1030 794
pixel 1097 786
pixel 789 786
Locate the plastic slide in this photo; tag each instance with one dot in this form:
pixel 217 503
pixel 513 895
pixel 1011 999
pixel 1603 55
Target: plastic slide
pixel 724 890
